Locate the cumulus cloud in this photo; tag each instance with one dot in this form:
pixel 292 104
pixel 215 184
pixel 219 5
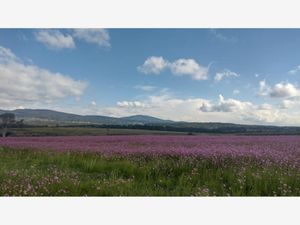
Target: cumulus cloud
pixel 54 39
pixel 279 90
pixel 6 55
pixel 286 104
pixel 93 103
pixel 95 36
pixel 190 68
pixel 145 87
pixel 167 106
pixel 263 88
pixel 127 104
pixel 295 70
pixel 179 67
pixel 244 111
pixel 225 73
pixel 230 105
pixel 153 65
pixel 24 85
pixel 163 106
pixel 284 90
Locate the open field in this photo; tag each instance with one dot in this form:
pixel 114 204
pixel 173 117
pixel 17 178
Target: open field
pixel 79 131
pixel 150 166
pixel 180 128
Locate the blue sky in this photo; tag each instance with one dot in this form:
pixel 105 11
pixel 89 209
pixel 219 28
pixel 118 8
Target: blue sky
pixel 246 76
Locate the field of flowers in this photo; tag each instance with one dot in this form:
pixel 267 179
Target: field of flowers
pixel 151 165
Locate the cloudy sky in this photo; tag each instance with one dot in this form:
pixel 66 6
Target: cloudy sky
pixel 247 76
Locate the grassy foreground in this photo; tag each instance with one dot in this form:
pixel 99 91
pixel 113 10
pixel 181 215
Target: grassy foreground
pixel 36 173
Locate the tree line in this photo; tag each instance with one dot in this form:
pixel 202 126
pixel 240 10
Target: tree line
pixel 8 120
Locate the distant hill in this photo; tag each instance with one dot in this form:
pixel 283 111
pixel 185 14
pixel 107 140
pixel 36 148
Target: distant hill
pixel 44 116
pixel 49 117
pixel 144 119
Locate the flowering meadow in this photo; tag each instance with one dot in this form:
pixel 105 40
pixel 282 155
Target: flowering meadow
pixel 150 165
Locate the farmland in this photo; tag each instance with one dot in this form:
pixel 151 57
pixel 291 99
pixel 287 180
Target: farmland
pixel 150 165
pixel 82 131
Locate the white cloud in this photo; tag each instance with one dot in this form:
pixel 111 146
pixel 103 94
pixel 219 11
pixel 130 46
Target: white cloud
pixel 245 111
pixel 217 34
pixel 6 55
pixel 263 88
pixel 279 90
pixel 225 73
pixel 28 85
pixel 95 36
pixel 265 106
pixel 93 103
pixel 223 105
pixel 153 65
pixel 236 91
pixel 54 39
pixel 166 106
pixel 145 87
pixel 189 67
pixel 201 110
pixel 295 70
pixel 128 104
pixel 179 67
pixel 284 90
pixel 286 104
pixel 163 106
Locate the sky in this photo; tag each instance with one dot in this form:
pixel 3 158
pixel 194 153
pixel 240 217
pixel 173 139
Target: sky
pixel 247 76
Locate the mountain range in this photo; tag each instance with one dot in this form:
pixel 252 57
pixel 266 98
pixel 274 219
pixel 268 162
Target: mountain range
pixel 49 117
pixel 44 116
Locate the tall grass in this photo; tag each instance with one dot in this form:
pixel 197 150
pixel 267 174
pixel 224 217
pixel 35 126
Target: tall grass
pixel 37 173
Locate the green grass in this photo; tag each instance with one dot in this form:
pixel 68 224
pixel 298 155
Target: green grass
pixel 36 173
pixel 75 131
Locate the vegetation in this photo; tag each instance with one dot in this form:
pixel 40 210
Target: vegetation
pixel 6 120
pixel 83 130
pixel 38 118
pixel 30 130
pixel 41 173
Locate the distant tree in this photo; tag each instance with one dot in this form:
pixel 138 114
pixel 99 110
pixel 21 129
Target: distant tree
pixel 6 120
pixel 20 123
